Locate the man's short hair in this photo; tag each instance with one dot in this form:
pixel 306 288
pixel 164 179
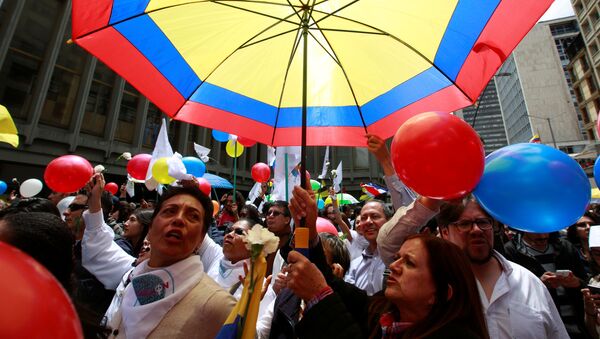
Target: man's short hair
pixel 387 211
pixel 283 205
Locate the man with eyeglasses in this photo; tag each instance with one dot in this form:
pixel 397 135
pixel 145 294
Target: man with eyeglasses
pixel 555 261
pixel 516 304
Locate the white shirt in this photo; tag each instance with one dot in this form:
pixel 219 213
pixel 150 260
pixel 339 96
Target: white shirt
pixel 366 272
pixel 357 245
pixel 520 306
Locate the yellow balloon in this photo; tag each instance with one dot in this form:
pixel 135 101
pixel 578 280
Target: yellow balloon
pixel 160 171
pixel 233 150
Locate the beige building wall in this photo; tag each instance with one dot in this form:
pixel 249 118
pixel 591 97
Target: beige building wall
pixel 545 88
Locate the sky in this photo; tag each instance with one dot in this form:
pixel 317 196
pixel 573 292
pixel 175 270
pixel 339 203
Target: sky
pixel 559 9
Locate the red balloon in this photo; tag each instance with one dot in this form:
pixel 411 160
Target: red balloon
pixel 27 284
pixel 68 173
pixel 204 186
pixel 137 167
pixel 325 226
pixel 438 155
pixel 246 142
pixel 112 188
pixel 261 172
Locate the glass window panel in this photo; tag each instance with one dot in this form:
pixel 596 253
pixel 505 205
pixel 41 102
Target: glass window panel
pixel 64 85
pixel 24 58
pixel 127 114
pixel 152 126
pixel 98 102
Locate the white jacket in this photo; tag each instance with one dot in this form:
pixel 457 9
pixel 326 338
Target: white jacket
pixel 108 262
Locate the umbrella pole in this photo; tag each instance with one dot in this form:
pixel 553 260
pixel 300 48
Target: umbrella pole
pixel 287 175
pixel 304 101
pixel 235 171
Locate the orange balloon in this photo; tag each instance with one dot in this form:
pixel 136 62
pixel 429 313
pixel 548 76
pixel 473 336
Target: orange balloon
pixel 215 208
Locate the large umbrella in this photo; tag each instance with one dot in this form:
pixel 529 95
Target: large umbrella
pixel 304 72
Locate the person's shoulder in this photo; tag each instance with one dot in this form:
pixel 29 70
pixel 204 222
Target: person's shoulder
pixel 454 330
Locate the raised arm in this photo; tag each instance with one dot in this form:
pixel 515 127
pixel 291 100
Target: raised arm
pixel 406 221
pixel 100 254
pixel 401 195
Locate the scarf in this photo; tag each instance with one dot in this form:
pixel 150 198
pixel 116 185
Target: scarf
pixel 152 292
pixel 391 328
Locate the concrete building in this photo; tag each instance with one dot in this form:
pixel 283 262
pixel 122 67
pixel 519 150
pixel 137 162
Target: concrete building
pixel 487 118
pixel 536 98
pixel 588 16
pixel 64 101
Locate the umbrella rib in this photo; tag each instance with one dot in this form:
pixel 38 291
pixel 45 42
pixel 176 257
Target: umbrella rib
pixel 407 45
pixel 287 70
pixel 222 2
pixel 230 54
pixel 337 61
pixel 362 118
pixel 268 38
pixel 346 31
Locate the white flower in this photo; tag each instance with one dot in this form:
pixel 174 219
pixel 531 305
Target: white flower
pixel 334 173
pixel 126 155
pixel 261 236
pixel 99 169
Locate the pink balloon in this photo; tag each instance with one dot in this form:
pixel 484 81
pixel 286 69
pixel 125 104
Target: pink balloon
pixel 204 186
pixel 325 226
pixel 137 167
pixel 112 188
pixel 68 173
pixel 261 172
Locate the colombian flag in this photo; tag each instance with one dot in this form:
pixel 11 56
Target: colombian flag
pixel 241 322
pixel 536 139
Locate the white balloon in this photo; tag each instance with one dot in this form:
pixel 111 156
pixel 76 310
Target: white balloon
pixel 30 188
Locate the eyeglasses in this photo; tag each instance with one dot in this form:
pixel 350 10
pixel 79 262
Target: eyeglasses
pixel 238 231
pixel 274 213
pixel 77 207
pixel 484 224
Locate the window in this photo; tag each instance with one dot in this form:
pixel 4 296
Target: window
pixel 98 102
pixel 153 122
pixel 127 114
pixel 19 73
pixel 64 85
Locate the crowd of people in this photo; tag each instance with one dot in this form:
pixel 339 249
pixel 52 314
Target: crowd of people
pixel 413 268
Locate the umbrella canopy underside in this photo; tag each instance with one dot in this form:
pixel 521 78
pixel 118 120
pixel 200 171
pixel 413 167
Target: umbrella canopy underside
pixel 237 65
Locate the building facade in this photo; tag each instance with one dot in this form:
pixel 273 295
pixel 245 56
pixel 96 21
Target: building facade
pixel 64 101
pixel 537 97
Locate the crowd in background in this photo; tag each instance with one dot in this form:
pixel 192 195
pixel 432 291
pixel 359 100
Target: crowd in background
pixel 413 267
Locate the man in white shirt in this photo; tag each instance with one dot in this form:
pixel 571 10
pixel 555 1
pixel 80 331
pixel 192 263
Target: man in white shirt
pixel 515 302
pixel 366 271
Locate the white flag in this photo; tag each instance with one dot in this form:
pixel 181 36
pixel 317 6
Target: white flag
pixel 202 152
pixel 162 149
pixel 293 159
pixel 177 169
pixel 130 186
pixel 337 179
pixel 325 164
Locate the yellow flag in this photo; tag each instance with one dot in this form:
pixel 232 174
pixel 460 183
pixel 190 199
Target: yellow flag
pixel 8 130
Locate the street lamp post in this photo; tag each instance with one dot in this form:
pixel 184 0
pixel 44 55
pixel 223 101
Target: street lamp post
pixel 549 126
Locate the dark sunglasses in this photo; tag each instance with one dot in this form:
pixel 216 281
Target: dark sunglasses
pixel 274 213
pixel 77 207
pixel 238 231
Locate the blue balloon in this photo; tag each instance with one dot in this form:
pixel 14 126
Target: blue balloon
pixel 597 171
pixel 3 187
pixel 220 136
pixel 320 203
pixel 194 166
pixel 533 188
